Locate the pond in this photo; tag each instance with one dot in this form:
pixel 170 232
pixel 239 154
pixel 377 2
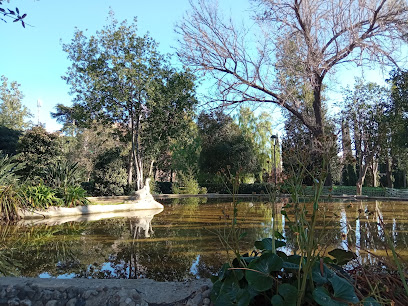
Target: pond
pixel 182 242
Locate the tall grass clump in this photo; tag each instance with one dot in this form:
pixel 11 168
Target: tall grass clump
pixel 10 197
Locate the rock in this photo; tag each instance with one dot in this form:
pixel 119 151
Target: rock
pixel 52 303
pixel 206 301
pixel 25 302
pixel 207 293
pixel 71 302
pixel 197 299
pixel 14 302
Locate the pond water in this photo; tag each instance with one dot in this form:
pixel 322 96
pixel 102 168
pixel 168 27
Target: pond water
pixel 182 242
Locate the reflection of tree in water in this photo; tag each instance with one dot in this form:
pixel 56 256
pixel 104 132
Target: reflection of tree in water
pixel 181 246
pixel 42 248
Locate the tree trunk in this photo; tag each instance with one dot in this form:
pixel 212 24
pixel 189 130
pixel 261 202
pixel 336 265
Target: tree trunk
pixel 388 167
pixel 130 169
pixel 374 171
pixel 317 107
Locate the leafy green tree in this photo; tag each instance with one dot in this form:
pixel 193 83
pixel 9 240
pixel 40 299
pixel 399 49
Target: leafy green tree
pixel 365 115
pixel 13 114
pixel 258 130
pixel 223 146
pixel 185 151
pixel 8 140
pixel 119 79
pixel 109 175
pixel 38 149
pixel 396 152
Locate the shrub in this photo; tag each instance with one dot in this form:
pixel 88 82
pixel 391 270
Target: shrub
pixel 187 184
pixel 74 196
pixel 10 201
pixel 109 176
pixel 39 196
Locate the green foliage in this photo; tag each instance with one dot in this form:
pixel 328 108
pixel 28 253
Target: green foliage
pixel 120 79
pixel 12 113
pixel 109 175
pixel 37 149
pixel 10 202
pixel 73 196
pixel 186 184
pixel 349 175
pixel 8 140
pixel 258 130
pixel 224 147
pixel 272 278
pixel 63 174
pixel 8 169
pixel 39 196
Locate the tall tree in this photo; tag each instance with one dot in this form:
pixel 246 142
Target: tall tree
pixel 224 147
pixel 13 114
pixel 396 119
pixel 365 116
pixel 321 34
pixel 119 78
pixel 38 149
pixel 258 130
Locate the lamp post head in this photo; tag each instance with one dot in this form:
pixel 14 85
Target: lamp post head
pixel 274 138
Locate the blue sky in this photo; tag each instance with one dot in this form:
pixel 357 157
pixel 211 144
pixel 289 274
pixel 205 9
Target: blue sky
pixel 34 58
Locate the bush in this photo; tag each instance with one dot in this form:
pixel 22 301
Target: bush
pixel 74 196
pixel 109 176
pixel 187 184
pixel 10 201
pixel 40 196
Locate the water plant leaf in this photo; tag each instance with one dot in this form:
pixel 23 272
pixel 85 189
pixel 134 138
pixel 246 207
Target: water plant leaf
pixel 266 244
pixel 343 289
pixel 321 278
pixel 277 300
pixel 342 256
pixel 289 294
pixel 259 274
pixel 322 297
pixel 290 266
pixel 228 292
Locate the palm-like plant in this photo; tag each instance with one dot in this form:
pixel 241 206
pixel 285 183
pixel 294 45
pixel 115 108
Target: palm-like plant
pixel 10 198
pixel 63 174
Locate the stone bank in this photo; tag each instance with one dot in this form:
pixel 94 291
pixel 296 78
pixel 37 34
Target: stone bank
pixel 78 292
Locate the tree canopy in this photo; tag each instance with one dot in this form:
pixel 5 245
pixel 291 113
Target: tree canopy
pixel 13 114
pixel 119 78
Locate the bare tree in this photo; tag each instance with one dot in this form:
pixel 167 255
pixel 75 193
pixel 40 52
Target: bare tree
pixel 292 44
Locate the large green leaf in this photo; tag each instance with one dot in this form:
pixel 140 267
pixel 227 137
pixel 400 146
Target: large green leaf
pixel 317 275
pixel 289 294
pixel 322 297
pixel 228 292
pixel 343 289
pixel 277 300
pixel 260 279
pixel 342 256
pixel 266 244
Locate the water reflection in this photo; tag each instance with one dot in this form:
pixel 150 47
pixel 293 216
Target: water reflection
pixel 181 242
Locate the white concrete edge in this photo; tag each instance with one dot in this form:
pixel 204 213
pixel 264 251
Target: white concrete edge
pixel 53 212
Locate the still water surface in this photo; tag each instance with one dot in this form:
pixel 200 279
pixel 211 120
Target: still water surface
pixel 182 242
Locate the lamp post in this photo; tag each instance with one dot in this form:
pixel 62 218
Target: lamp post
pixel 274 139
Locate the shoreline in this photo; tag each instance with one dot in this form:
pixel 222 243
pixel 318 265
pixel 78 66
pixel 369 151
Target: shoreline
pixel 79 291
